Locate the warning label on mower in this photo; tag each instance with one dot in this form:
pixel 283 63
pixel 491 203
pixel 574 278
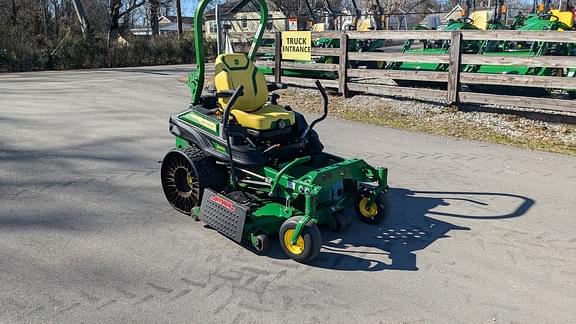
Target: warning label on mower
pixel 297 45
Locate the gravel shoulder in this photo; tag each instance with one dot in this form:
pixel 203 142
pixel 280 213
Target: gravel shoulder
pixel 436 118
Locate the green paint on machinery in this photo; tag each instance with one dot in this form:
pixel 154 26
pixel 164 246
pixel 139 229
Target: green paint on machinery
pixel 251 168
pixel 432 47
pixel 542 22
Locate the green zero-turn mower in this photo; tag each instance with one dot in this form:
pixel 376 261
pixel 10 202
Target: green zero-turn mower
pixel 251 168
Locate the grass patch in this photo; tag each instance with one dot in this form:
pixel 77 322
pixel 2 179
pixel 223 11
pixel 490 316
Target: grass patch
pixel 440 121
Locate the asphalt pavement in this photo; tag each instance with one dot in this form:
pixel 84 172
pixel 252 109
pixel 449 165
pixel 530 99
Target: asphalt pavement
pixel 477 232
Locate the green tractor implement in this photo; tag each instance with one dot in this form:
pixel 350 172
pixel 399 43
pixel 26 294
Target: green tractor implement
pixel 476 20
pixel 428 47
pixel 543 22
pixel 251 168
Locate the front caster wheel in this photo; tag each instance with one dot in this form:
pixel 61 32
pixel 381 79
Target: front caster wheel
pixel 373 214
pixel 308 243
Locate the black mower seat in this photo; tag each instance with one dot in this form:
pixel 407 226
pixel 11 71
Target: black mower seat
pixel 251 110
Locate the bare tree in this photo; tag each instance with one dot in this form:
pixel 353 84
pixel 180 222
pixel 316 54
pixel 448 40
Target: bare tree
pixel 14 15
pixel 179 17
pixel 116 13
pixel 154 12
pixel 81 14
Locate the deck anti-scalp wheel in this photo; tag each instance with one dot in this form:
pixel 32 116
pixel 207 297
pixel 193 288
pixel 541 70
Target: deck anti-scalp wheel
pixel 373 214
pixel 307 245
pixel 261 243
pixel 185 173
pixel 341 222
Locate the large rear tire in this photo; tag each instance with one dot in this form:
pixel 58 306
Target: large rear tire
pixel 185 173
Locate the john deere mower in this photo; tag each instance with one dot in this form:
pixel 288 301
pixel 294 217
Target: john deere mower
pixel 251 168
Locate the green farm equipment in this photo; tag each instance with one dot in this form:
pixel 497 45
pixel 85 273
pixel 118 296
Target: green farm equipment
pixel 428 47
pixel 553 21
pixel 251 168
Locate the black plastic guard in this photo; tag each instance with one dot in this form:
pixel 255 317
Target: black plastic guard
pixel 223 214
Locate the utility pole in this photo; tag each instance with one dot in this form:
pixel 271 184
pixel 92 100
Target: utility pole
pixel 179 17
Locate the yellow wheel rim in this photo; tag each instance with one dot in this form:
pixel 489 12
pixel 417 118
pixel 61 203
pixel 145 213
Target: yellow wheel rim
pixel 297 248
pixel 367 212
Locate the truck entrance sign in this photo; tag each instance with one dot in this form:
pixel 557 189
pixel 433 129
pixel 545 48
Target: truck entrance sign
pixel 296 45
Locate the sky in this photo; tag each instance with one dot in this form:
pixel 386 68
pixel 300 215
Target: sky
pixel 188 7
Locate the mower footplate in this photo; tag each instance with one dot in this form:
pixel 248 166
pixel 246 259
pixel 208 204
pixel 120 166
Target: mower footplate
pixel 223 214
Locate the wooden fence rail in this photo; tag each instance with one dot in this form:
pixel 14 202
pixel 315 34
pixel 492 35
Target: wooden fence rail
pixel 348 79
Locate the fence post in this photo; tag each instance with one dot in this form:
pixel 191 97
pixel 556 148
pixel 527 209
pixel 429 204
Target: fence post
pixel 454 67
pixel 343 65
pixel 278 57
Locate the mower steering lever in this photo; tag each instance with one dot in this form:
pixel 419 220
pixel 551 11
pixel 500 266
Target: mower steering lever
pixel 237 93
pixel 321 118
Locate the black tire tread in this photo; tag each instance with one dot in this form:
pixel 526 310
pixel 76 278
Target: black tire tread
pixel 210 174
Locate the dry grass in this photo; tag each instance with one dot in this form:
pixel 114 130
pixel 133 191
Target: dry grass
pixel 507 129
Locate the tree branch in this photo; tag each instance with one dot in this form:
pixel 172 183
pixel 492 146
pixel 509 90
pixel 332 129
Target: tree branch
pixel 131 8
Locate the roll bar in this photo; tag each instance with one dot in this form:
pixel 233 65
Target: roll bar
pixel 196 78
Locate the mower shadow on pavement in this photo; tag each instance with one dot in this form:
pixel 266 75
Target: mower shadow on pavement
pixel 410 228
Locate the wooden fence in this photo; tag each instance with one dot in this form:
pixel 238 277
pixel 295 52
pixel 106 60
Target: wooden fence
pixel 349 79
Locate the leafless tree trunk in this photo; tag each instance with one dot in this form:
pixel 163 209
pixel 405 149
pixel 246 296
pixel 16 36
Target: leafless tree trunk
pixel 115 15
pixel 45 17
pixel 154 10
pixel 81 14
pixel 56 6
pixel 14 15
pixel 179 17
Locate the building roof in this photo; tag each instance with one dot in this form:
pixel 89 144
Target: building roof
pixel 172 19
pixel 233 6
pixel 162 29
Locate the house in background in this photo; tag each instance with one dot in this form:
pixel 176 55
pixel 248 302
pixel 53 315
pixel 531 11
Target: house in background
pixel 244 18
pixel 166 26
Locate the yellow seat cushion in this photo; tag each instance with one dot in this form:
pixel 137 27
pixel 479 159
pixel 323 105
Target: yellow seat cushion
pixel 235 69
pixel 251 109
pixel 265 118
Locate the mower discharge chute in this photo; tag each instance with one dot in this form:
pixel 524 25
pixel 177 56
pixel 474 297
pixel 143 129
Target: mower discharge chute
pixel 251 168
